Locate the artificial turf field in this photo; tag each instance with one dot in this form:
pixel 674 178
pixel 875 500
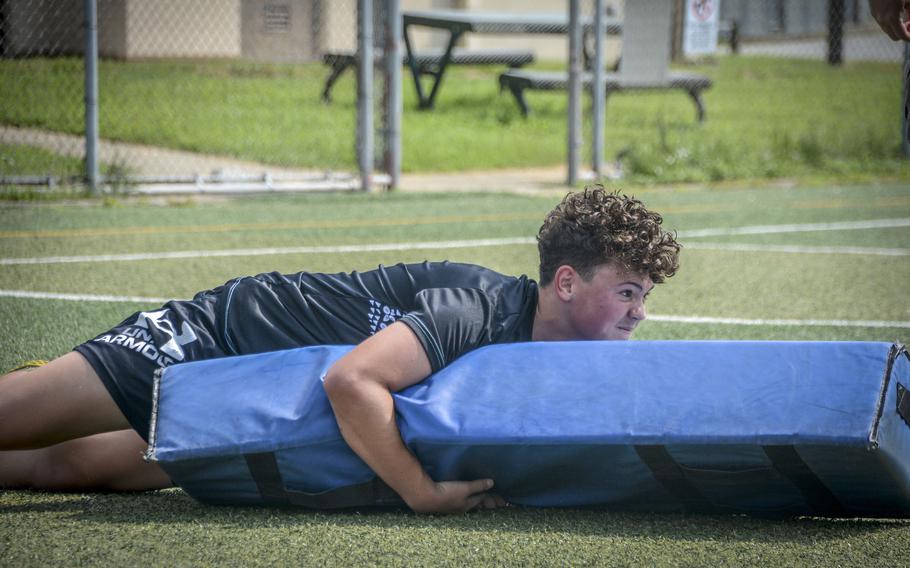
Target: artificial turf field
pixel 783 263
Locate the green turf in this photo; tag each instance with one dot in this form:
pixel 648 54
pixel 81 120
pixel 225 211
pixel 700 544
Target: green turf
pixel 768 118
pixel 169 528
pixel 746 285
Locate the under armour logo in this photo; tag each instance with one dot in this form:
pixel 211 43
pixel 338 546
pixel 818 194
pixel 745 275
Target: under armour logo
pixel 174 346
pixel 381 316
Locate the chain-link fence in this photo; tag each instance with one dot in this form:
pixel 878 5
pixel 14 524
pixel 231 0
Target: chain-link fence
pixel 833 40
pixel 226 91
pixel 842 30
pixel 260 91
pixel 41 83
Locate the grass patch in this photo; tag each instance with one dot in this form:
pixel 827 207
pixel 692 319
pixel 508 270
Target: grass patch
pixel 766 121
pixel 22 160
pixel 767 117
pixel 63 175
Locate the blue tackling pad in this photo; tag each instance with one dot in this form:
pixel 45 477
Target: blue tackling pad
pixel 788 428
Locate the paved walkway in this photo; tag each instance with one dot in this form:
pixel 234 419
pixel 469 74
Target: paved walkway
pixel 143 160
pixel 528 180
pixel 252 176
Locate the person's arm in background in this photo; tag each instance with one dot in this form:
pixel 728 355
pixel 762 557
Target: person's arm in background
pixel 360 387
pixel 892 16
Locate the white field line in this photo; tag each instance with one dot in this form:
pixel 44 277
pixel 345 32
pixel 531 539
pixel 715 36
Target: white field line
pixel 437 245
pixel 79 297
pixel 431 245
pixel 801 228
pixel 781 322
pixel 868 251
pixel 668 319
pixel 434 245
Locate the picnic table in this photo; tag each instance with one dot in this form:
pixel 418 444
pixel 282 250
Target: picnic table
pixel 459 22
pixel 427 61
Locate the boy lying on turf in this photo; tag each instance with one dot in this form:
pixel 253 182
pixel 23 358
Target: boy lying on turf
pixel 81 421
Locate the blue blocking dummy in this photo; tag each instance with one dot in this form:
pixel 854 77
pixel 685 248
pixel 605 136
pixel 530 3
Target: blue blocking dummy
pixel 785 428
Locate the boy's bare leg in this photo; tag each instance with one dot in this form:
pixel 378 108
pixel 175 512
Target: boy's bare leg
pixel 69 432
pixel 60 401
pixel 111 461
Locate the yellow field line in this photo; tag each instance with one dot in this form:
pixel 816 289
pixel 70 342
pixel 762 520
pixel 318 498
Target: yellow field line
pixel 819 203
pixel 227 228
pixel 892 201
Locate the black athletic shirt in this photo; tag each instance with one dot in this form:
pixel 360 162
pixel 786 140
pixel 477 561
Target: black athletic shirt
pixel 451 307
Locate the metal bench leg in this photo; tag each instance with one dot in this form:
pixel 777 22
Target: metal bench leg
pixel 337 70
pixel 519 93
pixel 412 64
pixel 426 102
pixel 699 104
pixel 440 72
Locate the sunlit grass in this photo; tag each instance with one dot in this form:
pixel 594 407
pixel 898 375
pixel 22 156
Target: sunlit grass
pixel 767 117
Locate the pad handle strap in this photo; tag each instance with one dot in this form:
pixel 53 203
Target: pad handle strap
pixel 785 461
pixel 264 470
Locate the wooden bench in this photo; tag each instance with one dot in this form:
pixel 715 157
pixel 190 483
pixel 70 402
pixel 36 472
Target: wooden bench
pixel 517 81
pixel 428 62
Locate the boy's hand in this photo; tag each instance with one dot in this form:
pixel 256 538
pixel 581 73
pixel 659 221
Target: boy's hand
pixel 890 16
pixel 456 497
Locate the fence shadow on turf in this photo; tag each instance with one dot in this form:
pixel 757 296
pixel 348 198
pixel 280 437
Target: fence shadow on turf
pixel 175 507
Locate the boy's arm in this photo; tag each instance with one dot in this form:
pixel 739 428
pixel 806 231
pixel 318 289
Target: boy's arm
pixel 360 387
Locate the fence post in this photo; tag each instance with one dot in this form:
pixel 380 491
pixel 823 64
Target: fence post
pixel 598 86
pixel 574 90
pixel 91 95
pixel 905 132
pixel 365 92
pixel 393 100
pixel 835 32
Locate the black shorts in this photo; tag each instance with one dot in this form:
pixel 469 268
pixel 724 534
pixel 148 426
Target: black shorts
pixel 127 356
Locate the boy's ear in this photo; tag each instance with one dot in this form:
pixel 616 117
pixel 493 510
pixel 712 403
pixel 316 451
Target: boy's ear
pixel 564 282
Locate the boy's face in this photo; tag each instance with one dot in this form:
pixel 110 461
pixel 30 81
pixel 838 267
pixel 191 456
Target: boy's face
pixel 610 305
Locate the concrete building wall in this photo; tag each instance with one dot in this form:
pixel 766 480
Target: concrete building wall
pixel 238 28
pixel 815 17
pixel 790 17
pixel 126 28
pixel 112 28
pixel 300 30
pixel 806 17
pixel 42 27
pixel 545 47
pixel 280 30
pixel 338 25
pixel 176 28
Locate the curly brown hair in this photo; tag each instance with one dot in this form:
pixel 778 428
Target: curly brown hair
pixel 595 227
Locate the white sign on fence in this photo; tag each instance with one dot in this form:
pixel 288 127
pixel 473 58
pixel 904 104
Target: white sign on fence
pixel 701 26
